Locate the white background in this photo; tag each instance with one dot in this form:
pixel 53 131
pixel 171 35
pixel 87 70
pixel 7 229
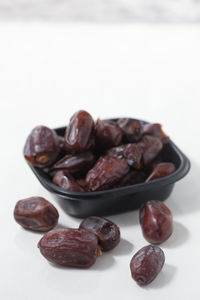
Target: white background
pixel 102 10
pixel 47 72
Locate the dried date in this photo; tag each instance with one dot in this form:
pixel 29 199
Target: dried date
pixel 130 152
pixel 156 221
pixel 133 177
pixel 76 165
pixel 151 147
pixel 79 136
pixel 106 173
pixel 155 130
pixel 131 129
pixel 133 155
pixel 70 247
pixel 42 147
pixel 67 182
pixel 117 152
pixel 161 170
pixel 108 233
pixel 146 264
pixel 36 213
pixel 107 133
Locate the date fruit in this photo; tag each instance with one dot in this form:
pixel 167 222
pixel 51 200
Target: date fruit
pixel 161 170
pixel 76 165
pixel 106 173
pixel 70 247
pixel 146 264
pixel 155 130
pixel 133 155
pixel 130 152
pixel 150 146
pixel 79 136
pixel 36 213
pixel 131 129
pixel 108 233
pixel 107 133
pixel 156 221
pixel 67 182
pixel 42 147
pixel 117 152
pixel 133 177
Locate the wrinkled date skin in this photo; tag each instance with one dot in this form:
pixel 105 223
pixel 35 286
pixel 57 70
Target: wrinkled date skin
pixel 70 247
pixel 161 170
pixel 107 133
pixel 79 136
pixel 130 152
pixel 131 129
pixel 155 130
pixel 42 147
pixel 106 173
pixel 67 182
pixel 146 264
pixel 36 213
pixel 76 165
pixel 117 152
pixel 108 233
pixel 150 146
pixel 156 221
pixel 133 155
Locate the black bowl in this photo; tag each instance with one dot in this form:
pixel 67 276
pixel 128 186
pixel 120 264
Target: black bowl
pixel 121 199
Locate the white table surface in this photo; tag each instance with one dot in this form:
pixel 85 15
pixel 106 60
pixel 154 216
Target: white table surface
pixel 47 72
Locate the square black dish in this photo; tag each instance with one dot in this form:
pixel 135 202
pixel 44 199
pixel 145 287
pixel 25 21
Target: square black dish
pixel 117 200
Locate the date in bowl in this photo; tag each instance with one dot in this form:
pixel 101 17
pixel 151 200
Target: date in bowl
pixel 117 200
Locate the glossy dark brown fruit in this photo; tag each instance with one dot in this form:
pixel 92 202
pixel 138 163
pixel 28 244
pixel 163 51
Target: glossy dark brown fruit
pixel 36 213
pixel 117 152
pixel 108 233
pixel 42 147
pixel 155 130
pixel 108 134
pixel 133 177
pixel 154 163
pixel 67 182
pixel 131 129
pixel 151 147
pixel 133 155
pixel 161 170
pixel 77 164
pixel 156 221
pixel 79 136
pixel 130 152
pixel 70 247
pixel 146 264
pixel 106 173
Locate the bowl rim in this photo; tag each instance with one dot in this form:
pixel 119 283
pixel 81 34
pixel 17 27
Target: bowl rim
pixel 182 170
